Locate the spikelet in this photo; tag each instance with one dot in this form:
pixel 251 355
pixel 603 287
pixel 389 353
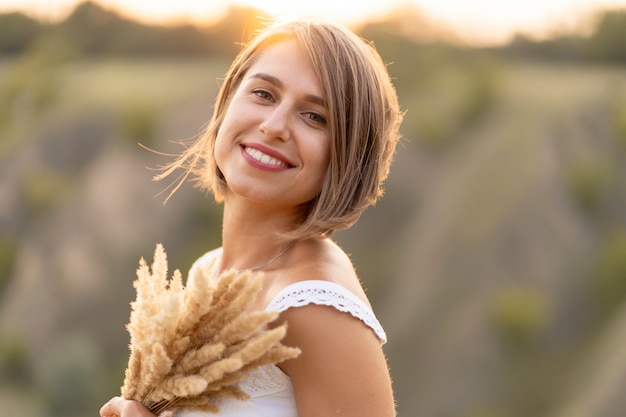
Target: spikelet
pixel 190 346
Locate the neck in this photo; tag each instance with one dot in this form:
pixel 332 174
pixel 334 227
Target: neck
pixel 250 236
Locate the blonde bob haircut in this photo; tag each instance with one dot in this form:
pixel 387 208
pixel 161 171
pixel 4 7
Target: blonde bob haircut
pixel 363 124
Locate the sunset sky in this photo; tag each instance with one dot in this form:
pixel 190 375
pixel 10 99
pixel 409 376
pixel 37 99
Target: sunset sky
pixel 478 21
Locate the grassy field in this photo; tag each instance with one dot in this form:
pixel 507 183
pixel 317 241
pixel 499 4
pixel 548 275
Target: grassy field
pixel 482 259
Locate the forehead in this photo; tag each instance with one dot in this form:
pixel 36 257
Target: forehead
pixel 286 61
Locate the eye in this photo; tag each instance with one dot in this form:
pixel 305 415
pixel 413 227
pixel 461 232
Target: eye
pixel 263 94
pixel 316 118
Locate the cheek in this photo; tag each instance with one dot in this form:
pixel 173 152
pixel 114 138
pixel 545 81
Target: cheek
pixel 322 149
pixel 220 147
pixel 322 152
pixel 225 136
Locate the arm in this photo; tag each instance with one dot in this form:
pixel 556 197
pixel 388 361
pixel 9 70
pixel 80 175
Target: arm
pixel 342 369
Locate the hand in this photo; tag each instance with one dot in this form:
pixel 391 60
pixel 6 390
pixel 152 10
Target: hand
pixel 119 407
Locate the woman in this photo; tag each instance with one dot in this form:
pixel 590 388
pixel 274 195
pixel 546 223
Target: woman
pixel 301 139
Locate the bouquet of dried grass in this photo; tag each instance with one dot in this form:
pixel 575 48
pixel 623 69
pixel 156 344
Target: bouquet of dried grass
pixel 190 345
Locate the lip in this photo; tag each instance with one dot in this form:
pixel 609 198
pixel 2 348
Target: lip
pixel 268 151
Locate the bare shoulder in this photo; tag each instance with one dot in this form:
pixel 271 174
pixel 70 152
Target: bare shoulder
pixel 323 259
pixel 342 368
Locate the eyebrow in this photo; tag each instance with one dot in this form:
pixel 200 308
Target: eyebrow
pixel 278 83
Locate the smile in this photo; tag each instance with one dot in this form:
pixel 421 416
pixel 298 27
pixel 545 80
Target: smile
pixel 264 158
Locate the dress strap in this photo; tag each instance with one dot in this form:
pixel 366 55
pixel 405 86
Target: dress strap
pixel 329 294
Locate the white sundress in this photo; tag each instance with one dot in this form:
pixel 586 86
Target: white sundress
pixel 269 388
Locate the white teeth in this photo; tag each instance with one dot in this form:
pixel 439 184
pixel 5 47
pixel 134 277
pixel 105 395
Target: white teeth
pixel 263 158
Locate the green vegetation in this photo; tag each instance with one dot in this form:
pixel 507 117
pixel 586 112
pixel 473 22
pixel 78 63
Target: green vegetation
pixel 620 125
pixel 70 377
pixel 607 42
pixel 95 31
pixel 608 278
pixel 590 179
pixel 15 363
pixel 18 32
pixel 520 317
pixel 42 189
pixel 140 122
pixel 8 253
pixel 503 222
pixel 488 412
pixel 619 117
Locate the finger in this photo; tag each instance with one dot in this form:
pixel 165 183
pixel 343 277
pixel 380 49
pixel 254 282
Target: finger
pixel 111 408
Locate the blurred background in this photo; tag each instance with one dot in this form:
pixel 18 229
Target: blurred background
pixel 496 260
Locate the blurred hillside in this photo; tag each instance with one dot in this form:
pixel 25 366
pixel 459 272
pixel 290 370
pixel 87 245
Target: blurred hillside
pixel 496 260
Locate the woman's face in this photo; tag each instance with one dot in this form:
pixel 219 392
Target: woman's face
pixel 273 145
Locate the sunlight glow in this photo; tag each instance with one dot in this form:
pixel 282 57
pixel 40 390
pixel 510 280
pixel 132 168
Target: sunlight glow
pixel 476 21
pixel 483 21
pixel 197 11
pixel 346 11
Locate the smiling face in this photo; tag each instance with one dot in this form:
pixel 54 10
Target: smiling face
pixel 273 144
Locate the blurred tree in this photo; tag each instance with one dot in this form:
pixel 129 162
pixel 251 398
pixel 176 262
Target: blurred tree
pixel 607 41
pixel 95 30
pixel 17 32
pixel 98 31
pixel 568 48
pixel 411 58
pixel 237 27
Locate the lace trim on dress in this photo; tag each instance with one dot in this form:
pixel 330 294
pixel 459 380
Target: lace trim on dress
pixel 329 294
pixel 269 379
pixel 307 292
pixel 265 380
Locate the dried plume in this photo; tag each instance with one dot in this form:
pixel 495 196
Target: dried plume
pixel 190 346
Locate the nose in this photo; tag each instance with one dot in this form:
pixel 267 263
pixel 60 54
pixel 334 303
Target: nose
pixel 276 123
